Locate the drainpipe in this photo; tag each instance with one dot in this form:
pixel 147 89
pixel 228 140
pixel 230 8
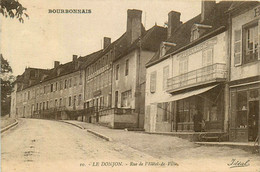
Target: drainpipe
pixel 228 67
pixel 138 82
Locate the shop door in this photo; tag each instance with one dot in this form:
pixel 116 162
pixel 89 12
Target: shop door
pixel 253 117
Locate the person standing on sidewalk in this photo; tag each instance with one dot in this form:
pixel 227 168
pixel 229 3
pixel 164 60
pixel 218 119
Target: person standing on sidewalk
pixel 197 121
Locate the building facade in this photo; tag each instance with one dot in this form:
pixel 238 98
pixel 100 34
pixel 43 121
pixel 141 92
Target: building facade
pixel 115 80
pixel 186 86
pixel 244 71
pixel 56 93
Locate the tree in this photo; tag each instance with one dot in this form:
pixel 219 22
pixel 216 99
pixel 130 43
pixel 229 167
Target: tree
pixel 13 8
pixel 6 86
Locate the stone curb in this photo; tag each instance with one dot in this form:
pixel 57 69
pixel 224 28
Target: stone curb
pixel 9 126
pixel 90 131
pixel 99 135
pixel 73 124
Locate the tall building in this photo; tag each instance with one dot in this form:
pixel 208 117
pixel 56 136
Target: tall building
pixel 244 70
pixel 186 88
pixel 50 93
pixel 115 80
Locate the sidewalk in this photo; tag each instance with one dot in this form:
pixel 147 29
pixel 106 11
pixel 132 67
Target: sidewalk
pixel 163 146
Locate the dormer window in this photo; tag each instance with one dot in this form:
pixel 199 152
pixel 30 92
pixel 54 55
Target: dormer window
pixel 197 30
pixel 162 50
pixel 164 47
pixel 194 34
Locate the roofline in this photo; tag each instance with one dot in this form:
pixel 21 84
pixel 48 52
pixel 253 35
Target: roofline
pixel 201 39
pixel 230 11
pixel 40 82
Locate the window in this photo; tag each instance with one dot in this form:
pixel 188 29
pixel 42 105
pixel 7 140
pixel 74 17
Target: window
pixel 51 87
pixel 165 76
pixel 56 103
pixel 61 85
pixel 80 78
pixel 237 47
pixel 164 112
pixel 79 100
pixel 64 101
pixel 194 34
pixel 69 101
pixel 74 101
pixel 183 69
pixel 241 121
pixel 56 86
pixel 126 98
pixel 250 45
pixel 117 71
pixel 60 102
pixel 116 98
pixel 75 81
pixel 65 84
pixel 153 82
pixel 47 105
pixel 126 67
pixel 207 61
pixel 70 82
pixel 28 95
pixel 43 105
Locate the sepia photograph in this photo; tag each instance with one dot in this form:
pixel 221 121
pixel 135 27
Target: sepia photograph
pixel 128 85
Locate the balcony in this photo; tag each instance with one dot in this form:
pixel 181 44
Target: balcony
pixel 212 73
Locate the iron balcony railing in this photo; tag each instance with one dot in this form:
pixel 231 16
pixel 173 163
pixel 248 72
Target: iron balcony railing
pixel 205 74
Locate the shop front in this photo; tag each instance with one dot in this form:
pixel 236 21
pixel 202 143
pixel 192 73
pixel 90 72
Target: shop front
pixel 201 113
pixel 244 122
pixel 197 110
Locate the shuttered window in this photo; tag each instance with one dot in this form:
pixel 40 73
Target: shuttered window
pixel 165 76
pixel 153 82
pixel 259 39
pixel 237 47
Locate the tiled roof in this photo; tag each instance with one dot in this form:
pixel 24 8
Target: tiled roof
pixel 150 41
pixel 181 36
pixel 237 5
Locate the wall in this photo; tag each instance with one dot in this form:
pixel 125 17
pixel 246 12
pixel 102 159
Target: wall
pixel 26 105
pixel 194 54
pixel 159 95
pixel 249 69
pixel 125 83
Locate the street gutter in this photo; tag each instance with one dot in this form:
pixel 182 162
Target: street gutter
pixel 9 126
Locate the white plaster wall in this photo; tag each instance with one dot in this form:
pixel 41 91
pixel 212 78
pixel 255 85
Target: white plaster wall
pixel 249 69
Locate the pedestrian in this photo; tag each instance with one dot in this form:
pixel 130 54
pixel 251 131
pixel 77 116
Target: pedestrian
pixel 197 121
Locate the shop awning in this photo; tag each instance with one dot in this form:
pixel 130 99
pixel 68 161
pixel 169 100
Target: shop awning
pixel 186 95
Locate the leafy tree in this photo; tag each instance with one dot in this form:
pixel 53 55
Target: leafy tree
pixel 13 8
pixel 6 86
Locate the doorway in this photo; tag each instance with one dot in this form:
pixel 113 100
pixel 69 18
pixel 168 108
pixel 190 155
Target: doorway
pixel 253 117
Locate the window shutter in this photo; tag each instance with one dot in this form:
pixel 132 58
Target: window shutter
pixel 153 82
pixel 237 47
pixel 259 39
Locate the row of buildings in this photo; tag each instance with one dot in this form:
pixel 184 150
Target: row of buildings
pixel 201 75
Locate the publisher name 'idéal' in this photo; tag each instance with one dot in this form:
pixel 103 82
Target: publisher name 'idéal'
pixel 76 11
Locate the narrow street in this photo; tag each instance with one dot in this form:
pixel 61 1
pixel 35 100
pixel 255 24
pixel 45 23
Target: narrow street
pixel 44 145
pixel 40 145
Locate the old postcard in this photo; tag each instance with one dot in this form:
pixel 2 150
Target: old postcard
pixel 128 85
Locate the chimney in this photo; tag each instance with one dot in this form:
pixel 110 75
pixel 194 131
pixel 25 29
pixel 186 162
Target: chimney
pixel 134 25
pixel 173 22
pixel 74 57
pixel 207 9
pixel 56 64
pixel 106 42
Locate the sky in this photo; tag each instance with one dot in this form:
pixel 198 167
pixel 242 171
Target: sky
pixel 47 37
